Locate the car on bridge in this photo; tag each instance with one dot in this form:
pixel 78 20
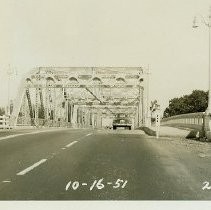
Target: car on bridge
pixel 122 120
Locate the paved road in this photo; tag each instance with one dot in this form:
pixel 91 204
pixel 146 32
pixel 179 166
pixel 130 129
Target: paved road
pixel 126 165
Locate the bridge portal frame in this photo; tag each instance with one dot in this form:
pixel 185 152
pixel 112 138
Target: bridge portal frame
pixel 95 82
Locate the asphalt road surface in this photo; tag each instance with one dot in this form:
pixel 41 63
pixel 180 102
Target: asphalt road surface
pixel 85 164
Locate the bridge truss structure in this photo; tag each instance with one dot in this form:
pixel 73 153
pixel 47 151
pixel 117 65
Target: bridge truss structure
pixel 80 96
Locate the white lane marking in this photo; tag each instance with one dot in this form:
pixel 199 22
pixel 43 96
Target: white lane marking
pixel 63 148
pixel 12 136
pixel 89 134
pixel 6 181
pixel 69 145
pixel 33 133
pixel 30 133
pixel 202 155
pixel 31 167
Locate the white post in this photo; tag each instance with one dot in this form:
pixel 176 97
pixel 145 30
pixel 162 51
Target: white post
pixel 157 123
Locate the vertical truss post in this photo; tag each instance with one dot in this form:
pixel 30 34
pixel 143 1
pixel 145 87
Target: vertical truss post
pixel 54 107
pixel 71 114
pixel 24 113
pixel 147 101
pixel 75 107
pixel 66 112
pixel 143 106
pixel 90 117
pixel 140 107
pixel 42 111
pixel 31 114
pixel 136 117
pixel 65 106
pixel 93 119
pixel 98 119
pixel 86 118
pixel 36 107
pixel 46 105
pixel 77 114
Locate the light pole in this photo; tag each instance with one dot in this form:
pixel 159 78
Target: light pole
pixel 207 119
pixel 208 24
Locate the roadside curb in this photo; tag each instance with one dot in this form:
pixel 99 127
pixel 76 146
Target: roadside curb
pixel 148 131
pixel 191 133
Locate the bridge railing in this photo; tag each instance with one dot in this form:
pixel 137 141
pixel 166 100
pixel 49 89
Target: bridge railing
pixel 4 122
pixel 191 120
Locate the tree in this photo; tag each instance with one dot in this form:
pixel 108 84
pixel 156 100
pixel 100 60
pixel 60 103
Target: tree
pixel 197 101
pixel 2 111
pixel 154 106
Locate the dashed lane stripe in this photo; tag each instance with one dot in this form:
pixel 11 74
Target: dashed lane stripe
pixel 71 144
pixel 25 171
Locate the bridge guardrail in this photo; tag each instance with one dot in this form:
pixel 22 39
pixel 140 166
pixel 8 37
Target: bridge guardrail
pixel 191 120
pixel 4 122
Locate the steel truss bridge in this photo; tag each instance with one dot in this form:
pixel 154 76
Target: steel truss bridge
pixel 80 97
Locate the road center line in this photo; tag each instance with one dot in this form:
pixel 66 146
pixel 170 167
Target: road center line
pixel 69 145
pixel 31 167
pixel 89 134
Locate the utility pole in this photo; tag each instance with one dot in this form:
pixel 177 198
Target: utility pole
pixel 207 117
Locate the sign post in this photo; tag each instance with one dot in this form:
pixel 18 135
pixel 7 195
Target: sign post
pixel 157 123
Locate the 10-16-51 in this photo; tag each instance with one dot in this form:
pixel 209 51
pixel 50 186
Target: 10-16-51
pixel 97 184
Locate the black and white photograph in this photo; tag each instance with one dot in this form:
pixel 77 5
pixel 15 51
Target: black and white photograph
pixel 105 100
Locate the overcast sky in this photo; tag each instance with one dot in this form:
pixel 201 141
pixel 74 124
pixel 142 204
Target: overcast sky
pixel 157 33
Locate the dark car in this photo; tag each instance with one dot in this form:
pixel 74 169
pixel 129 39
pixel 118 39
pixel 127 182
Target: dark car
pixel 122 120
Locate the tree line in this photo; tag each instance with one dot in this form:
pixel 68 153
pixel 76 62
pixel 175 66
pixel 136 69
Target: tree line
pixel 197 101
